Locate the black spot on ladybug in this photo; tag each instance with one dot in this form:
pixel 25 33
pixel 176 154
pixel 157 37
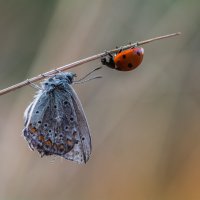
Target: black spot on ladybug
pixel 130 65
pixel 138 53
pixel 124 56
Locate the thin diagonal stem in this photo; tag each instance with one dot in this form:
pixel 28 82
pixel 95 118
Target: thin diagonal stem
pixel 80 62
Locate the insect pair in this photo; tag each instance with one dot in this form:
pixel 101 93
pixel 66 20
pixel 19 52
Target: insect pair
pixel 55 123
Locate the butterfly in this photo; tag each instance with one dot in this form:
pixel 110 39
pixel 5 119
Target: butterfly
pixel 55 123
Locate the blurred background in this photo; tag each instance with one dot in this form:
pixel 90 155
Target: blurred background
pixel 144 123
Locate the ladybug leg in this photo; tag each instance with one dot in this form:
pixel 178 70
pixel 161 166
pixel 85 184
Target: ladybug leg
pixel 136 45
pixel 120 49
pixel 108 60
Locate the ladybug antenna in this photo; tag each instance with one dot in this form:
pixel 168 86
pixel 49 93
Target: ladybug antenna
pixel 81 80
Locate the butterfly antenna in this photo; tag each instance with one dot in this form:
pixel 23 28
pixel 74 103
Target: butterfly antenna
pixel 83 81
pixel 98 68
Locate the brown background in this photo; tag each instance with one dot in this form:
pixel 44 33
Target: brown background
pixel 145 124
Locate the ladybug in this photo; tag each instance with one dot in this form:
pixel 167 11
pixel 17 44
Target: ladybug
pixel 124 60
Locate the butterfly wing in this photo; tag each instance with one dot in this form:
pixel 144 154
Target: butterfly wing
pixel 55 124
pixel 83 146
pixel 33 115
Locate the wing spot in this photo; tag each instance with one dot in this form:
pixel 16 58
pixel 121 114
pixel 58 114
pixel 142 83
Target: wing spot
pixel 61 148
pixel 76 142
pixel 32 129
pixel 69 143
pixel 48 142
pixel 41 138
pixel 65 102
pixel 74 133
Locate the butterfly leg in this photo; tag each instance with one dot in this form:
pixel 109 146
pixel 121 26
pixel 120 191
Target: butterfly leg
pixel 33 85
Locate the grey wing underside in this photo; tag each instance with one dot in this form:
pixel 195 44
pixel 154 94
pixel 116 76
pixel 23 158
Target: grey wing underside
pixel 44 104
pixel 84 132
pixel 40 103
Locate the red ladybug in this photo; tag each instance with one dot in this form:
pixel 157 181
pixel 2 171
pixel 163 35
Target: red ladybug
pixel 124 60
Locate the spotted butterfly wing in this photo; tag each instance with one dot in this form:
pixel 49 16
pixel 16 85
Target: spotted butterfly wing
pixel 55 123
pixel 84 140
